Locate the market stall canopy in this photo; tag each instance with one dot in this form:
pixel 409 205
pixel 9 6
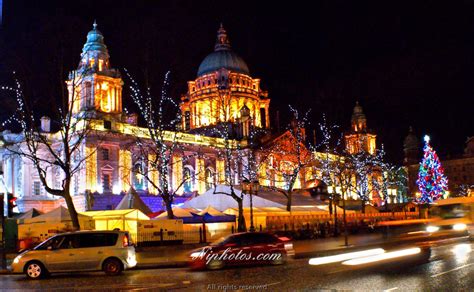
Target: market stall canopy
pixel 133 201
pixel 117 214
pixel 221 200
pixel 179 213
pixel 60 214
pixel 112 219
pixel 29 214
pixel 211 211
pixel 211 215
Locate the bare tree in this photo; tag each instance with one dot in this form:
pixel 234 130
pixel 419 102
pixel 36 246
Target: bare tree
pixel 288 159
pixel 389 176
pixel 231 157
pixel 159 148
pixel 62 151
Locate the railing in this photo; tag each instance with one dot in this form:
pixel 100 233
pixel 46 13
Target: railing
pixel 168 237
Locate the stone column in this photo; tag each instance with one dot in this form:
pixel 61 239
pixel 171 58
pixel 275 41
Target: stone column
pixel 200 174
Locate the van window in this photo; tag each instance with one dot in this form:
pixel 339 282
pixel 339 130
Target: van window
pixel 97 239
pixel 55 242
pixel 70 241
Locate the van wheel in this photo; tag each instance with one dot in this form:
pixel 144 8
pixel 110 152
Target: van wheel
pixel 35 270
pixel 215 265
pixel 112 267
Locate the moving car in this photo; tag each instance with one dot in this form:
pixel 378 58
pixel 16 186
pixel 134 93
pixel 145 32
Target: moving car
pixel 110 251
pixel 452 216
pixel 246 248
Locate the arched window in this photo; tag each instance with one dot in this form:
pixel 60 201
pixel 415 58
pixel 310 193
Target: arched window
pixel 188 180
pixel 138 179
pixel 209 179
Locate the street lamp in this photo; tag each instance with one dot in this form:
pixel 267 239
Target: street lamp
pixel 250 188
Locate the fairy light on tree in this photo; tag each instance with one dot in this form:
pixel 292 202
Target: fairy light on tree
pixel 432 183
pixel 61 152
pixel 160 153
pixel 288 157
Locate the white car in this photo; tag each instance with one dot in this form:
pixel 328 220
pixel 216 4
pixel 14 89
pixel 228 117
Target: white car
pixel 110 251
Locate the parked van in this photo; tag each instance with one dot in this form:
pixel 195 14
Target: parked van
pixel 110 251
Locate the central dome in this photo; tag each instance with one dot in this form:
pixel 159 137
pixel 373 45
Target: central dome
pixel 222 57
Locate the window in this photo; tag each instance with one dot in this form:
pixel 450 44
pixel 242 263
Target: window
pixel 76 185
pixel 264 238
pixel 70 241
pixel 97 239
pixel 188 183
pixel 187 120
pixel 106 182
pixel 108 125
pixel 209 179
pixel 105 154
pixel 36 188
pixel 138 179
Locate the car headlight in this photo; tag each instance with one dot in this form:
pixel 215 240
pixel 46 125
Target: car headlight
pixel 17 259
pixel 431 229
pixel 197 254
pixel 459 227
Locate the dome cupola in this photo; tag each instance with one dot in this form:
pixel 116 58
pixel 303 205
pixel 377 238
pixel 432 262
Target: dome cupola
pixel 358 120
pixel 95 55
pixel 222 57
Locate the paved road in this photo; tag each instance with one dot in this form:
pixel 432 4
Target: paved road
pixel 450 268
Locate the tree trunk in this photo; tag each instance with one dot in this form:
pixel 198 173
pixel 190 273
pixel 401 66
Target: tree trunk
pixel 169 209
pixel 363 206
pixel 72 210
pixel 330 207
pixel 241 227
pixel 288 203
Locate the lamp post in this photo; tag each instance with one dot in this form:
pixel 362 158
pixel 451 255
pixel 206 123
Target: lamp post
pixel 250 188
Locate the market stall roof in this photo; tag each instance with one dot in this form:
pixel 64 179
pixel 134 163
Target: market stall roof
pixel 29 214
pixel 211 211
pixel 133 201
pixel 179 213
pixel 220 200
pixel 298 197
pixel 129 214
pixel 60 214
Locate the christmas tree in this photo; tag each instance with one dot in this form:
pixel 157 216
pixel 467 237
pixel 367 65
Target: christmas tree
pixel 431 182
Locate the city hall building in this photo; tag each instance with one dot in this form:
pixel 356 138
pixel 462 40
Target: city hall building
pixel 223 92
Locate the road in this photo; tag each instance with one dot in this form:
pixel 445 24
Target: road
pixel 450 268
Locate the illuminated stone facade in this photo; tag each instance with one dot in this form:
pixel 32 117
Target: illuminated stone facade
pixel 95 87
pixel 359 138
pixel 222 90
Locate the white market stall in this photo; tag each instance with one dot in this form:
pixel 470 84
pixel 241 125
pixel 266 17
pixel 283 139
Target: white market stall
pixel 46 225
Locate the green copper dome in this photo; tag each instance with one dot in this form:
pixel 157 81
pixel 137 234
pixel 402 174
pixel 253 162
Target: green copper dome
pixel 222 57
pixel 95 41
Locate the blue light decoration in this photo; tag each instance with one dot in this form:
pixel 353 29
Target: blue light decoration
pixel 432 182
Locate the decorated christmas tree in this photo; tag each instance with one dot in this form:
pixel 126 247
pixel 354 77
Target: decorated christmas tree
pixel 431 182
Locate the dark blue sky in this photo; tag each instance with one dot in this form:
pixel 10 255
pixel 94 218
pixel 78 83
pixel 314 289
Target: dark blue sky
pixel 407 62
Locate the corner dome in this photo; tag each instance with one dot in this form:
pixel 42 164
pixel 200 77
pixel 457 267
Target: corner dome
pixel 411 141
pixel 95 41
pixel 222 57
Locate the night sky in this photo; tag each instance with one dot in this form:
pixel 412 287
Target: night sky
pixel 406 62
